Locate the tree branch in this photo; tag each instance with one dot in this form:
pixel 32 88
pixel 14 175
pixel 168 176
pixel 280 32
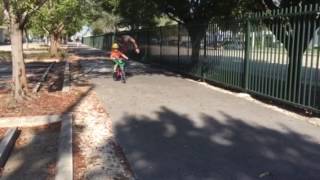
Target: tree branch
pixel 6 4
pixel 25 16
pixel 39 5
pixel 23 20
pixel 174 18
pixel 60 27
pixel 46 30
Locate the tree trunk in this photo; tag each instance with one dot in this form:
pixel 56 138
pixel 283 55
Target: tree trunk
pixel 54 44
pixel 65 39
pixel 20 88
pixel 196 34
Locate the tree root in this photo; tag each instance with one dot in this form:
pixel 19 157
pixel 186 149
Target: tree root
pixel 30 96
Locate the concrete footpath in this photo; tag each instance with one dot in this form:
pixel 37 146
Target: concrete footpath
pixel 171 129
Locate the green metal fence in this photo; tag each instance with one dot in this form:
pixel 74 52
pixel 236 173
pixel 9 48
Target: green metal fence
pixel 274 54
pixel 103 42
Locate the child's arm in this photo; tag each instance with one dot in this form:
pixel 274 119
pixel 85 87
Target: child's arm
pixel 134 43
pixel 111 58
pixel 124 56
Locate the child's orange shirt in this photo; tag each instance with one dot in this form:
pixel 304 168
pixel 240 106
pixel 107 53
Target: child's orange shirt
pixel 117 54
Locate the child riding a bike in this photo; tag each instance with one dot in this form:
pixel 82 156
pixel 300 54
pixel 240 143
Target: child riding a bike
pixel 117 56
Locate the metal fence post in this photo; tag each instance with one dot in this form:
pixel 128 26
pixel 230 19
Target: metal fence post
pixel 160 42
pixel 247 54
pixel 205 45
pixel 105 41
pixel 148 44
pixel 178 45
pixel 94 42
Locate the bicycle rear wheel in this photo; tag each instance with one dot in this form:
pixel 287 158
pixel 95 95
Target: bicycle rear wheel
pixel 114 76
pixel 123 77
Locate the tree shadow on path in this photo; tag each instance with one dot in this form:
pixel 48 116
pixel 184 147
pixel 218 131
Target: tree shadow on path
pixel 172 147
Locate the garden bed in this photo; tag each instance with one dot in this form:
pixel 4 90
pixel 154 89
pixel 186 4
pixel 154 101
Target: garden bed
pixel 54 80
pixel 35 154
pixel 35 70
pixel 5 56
pixel 49 100
pixel 43 103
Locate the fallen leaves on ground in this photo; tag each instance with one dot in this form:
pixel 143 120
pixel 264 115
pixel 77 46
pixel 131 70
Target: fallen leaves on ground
pixel 42 104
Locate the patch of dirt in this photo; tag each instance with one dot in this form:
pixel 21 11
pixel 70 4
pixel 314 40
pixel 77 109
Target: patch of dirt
pixel 37 55
pixel 5 56
pixel 55 78
pixel 37 48
pixel 42 104
pixel 38 129
pixel 97 155
pixel 4 90
pixel 79 164
pixel 47 60
pixel 2 133
pixel 35 70
pixel 30 55
pixel 77 78
pixel 35 154
pixel 75 67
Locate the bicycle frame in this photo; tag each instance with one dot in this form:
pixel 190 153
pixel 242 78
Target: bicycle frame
pixel 119 73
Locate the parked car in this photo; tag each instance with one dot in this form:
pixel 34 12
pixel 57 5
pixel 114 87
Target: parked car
pixel 233 45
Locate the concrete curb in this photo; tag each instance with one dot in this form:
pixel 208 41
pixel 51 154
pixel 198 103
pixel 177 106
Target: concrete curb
pixel 30 121
pixel 65 160
pixel 7 144
pixel 66 79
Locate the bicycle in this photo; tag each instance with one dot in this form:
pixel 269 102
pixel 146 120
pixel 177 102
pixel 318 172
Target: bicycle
pixel 119 73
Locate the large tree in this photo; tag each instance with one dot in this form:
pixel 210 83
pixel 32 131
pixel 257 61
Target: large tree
pixel 138 14
pixel 18 13
pixel 106 23
pixel 195 15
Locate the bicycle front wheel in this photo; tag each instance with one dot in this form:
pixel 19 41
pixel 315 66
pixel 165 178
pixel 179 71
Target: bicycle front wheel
pixel 123 77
